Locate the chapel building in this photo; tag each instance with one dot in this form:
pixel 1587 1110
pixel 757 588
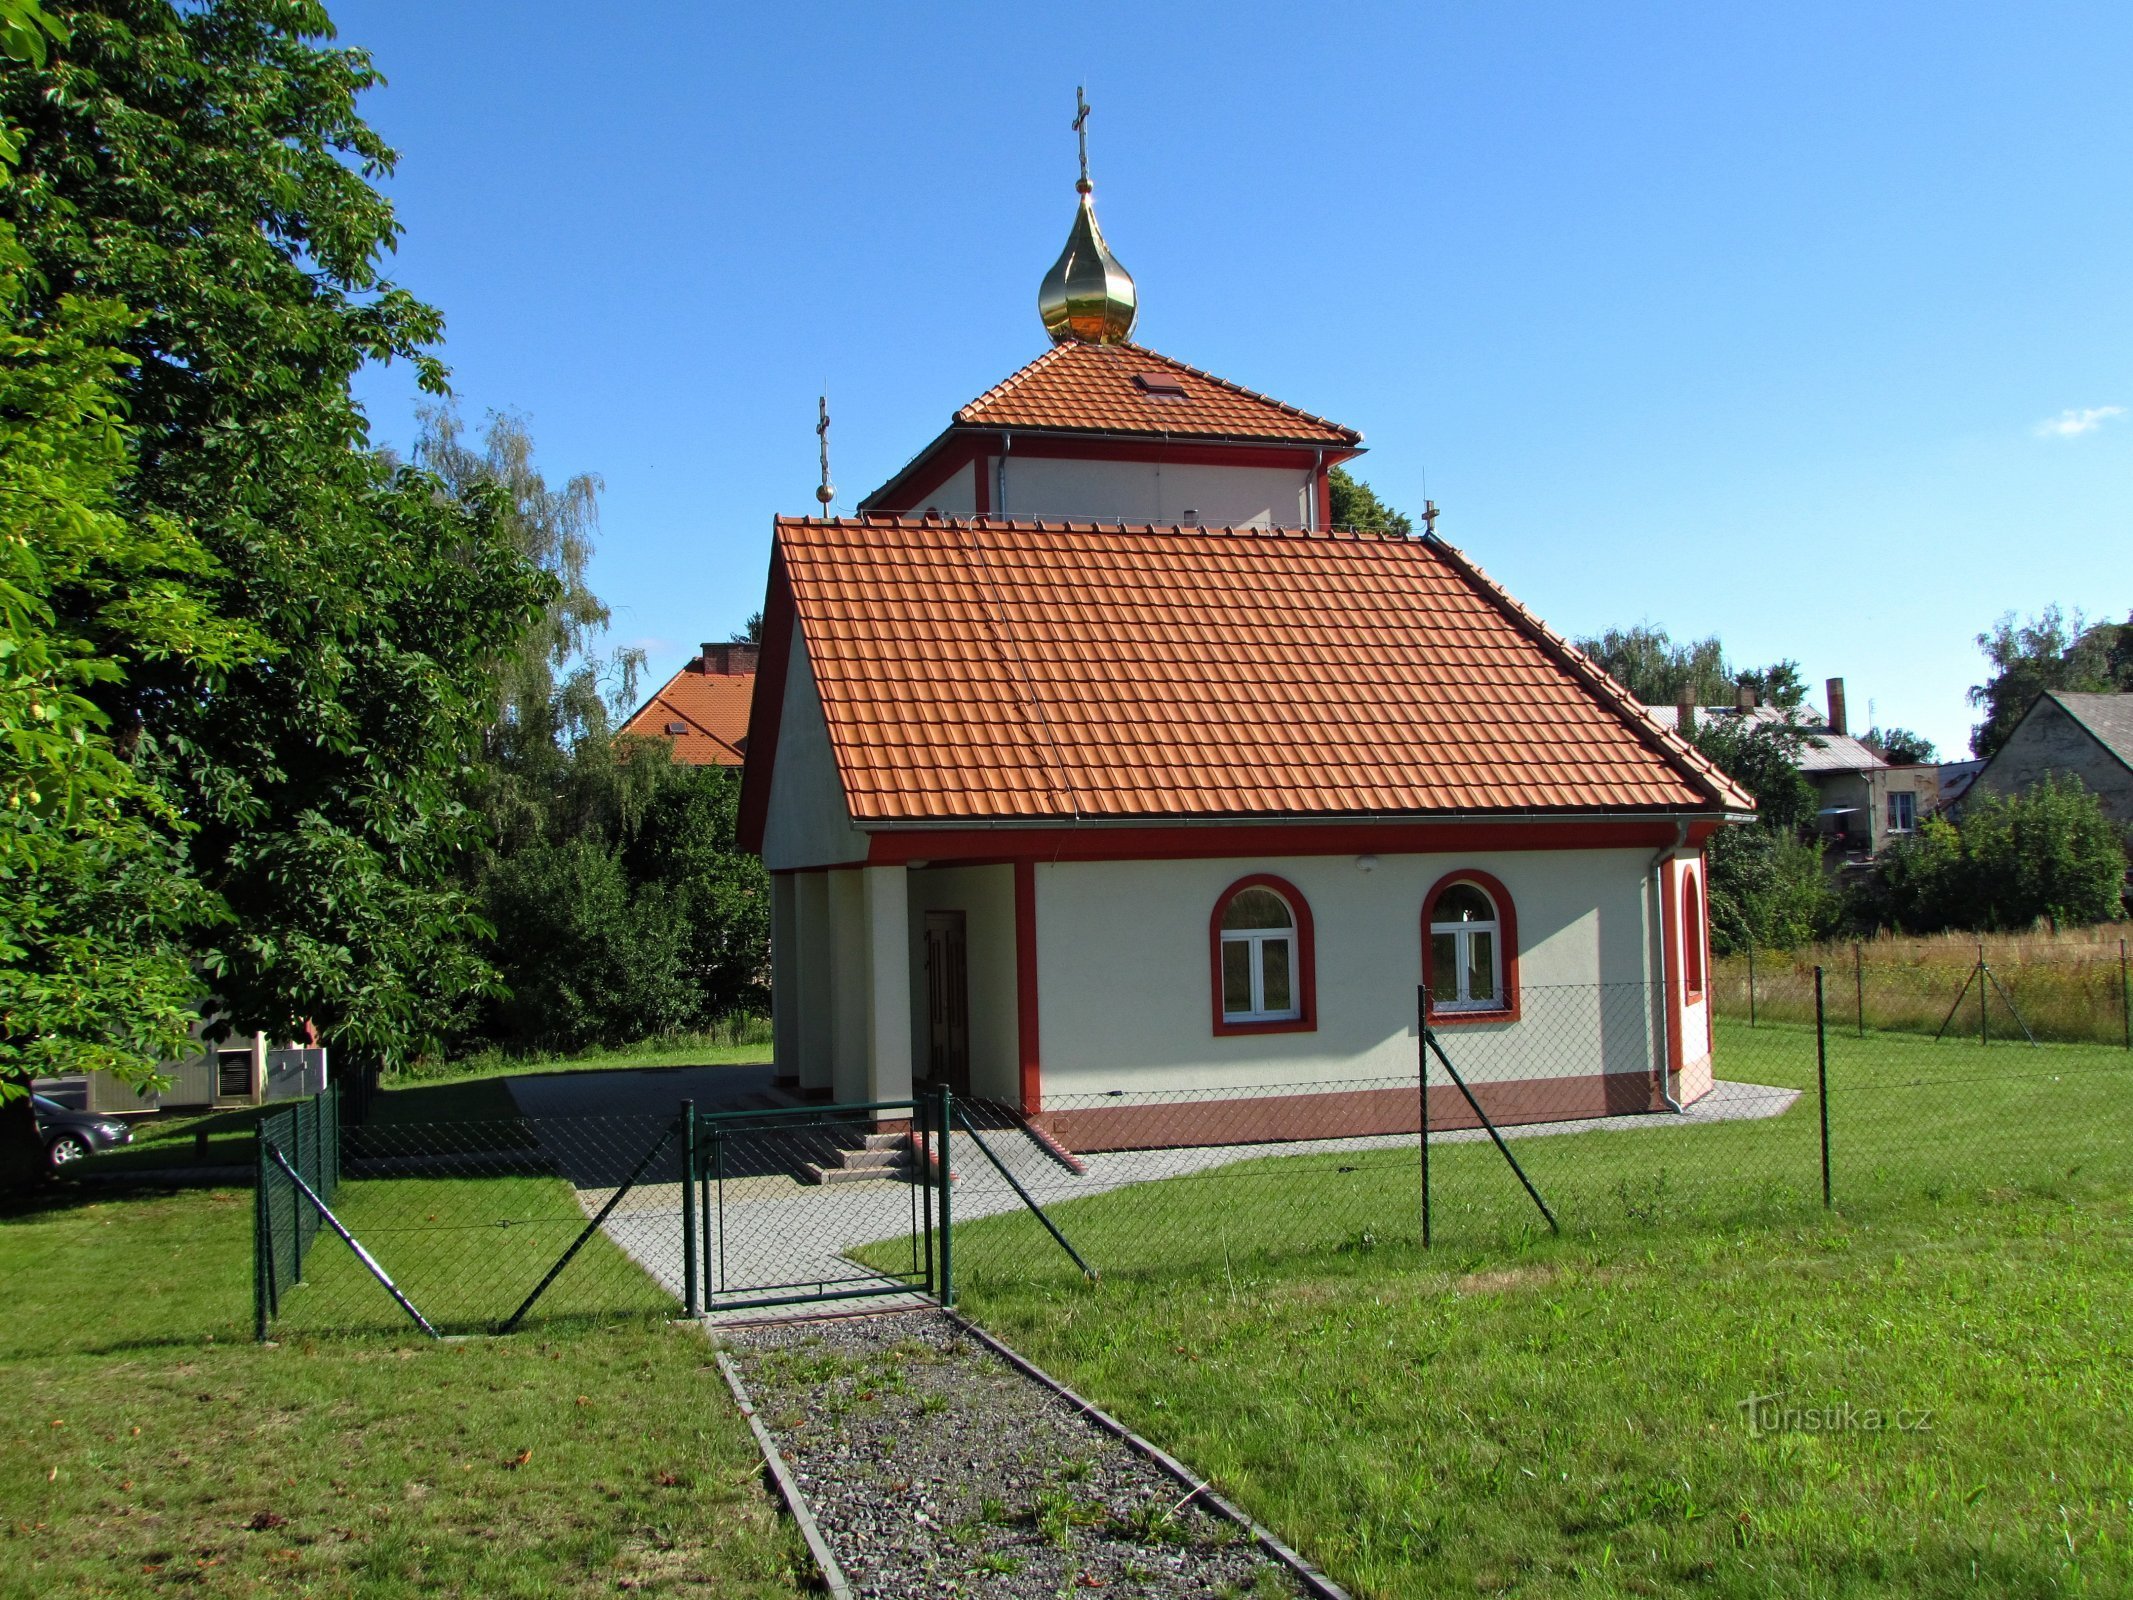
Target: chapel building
pixel 1101 778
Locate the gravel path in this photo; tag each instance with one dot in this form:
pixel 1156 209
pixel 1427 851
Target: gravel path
pixel 934 1469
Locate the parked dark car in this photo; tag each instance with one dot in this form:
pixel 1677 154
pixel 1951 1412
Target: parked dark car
pixel 69 1136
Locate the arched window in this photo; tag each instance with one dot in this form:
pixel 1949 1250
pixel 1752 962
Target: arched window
pixel 1692 934
pixel 1261 939
pixel 1470 949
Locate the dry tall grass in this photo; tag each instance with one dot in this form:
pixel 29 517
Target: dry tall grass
pixel 2070 986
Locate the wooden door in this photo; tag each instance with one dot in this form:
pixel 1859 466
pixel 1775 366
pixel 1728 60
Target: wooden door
pixel 947 1002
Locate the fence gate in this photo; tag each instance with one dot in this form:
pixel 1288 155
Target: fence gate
pixel 798 1205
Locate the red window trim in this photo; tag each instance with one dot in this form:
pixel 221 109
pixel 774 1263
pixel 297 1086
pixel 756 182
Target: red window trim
pixel 1306 958
pixel 1695 937
pixel 1507 940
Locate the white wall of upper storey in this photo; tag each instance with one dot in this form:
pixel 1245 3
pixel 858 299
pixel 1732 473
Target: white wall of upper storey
pixel 1027 487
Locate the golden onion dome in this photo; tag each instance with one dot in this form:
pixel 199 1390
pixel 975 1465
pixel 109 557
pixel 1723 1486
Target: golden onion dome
pixel 1087 295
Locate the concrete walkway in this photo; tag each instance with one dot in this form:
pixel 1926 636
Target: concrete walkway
pixel 767 1228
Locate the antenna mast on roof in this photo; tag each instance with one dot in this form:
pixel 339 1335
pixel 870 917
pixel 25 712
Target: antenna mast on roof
pixel 825 492
pixel 1429 519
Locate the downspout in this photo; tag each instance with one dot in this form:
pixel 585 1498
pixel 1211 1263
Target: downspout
pixel 1653 874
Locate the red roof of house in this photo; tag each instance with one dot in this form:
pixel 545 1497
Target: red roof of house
pixel 1122 388
pixel 704 713
pixel 1029 671
pixel 1110 390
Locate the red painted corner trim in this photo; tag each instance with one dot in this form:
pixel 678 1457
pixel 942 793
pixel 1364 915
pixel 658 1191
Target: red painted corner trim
pixel 1507 933
pixel 1026 1034
pixel 1325 497
pixel 1306 958
pixel 766 706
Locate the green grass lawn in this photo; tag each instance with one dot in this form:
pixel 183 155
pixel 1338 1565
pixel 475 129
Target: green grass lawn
pixel 1565 1420
pixel 1518 1413
pixel 149 1445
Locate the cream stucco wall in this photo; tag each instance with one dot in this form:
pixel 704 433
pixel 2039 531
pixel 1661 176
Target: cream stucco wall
pixel 986 897
pixel 1138 491
pixel 957 497
pixel 808 823
pixel 1124 986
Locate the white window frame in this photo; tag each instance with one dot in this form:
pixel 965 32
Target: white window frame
pixel 1462 933
pixel 1911 824
pixel 1254 938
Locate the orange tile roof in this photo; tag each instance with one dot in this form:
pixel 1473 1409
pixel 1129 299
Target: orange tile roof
pixel 1090 388
pixel 1014 670
pixel 711 709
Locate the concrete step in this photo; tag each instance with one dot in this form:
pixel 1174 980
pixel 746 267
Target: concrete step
pixel 815 1172
pixel 886 1141
pixel 873 1160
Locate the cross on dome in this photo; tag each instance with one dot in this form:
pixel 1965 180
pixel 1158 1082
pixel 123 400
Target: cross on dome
pixel 1087 296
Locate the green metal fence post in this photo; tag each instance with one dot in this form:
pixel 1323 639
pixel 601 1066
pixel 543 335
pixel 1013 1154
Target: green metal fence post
pixel 1751 983
pixel 1422 1096
pixel 2125 993
pixel 1822 1080
pixel 946 1111
pixel 690 1302
pixel 259 1242
pixel 1859 986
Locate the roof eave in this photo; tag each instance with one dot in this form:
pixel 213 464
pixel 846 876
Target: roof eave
pixel 1334 453
pixel 1218 819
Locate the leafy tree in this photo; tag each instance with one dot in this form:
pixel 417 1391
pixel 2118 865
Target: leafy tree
pixel 94 901
pixel 1654 669
pixel 1767 890
pixel 552 681
pixel 206 167
pixel 2056 649
pixel 1765 880
pixel 1356 505
pixel 1778 684
pixel 636 913
pixel 2008 861
pixel 1900 747
pixel 1648 663
pixel 555 691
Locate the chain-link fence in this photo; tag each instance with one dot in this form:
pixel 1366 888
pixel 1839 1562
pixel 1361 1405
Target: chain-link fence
pixel 1560 1121
pixel 299 1171
pixel 1557 1119
pixel 485 1227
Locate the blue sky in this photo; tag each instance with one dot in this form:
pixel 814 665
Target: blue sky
pixel 1808 325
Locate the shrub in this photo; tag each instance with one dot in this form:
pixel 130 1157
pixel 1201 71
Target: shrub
pixel 2047 853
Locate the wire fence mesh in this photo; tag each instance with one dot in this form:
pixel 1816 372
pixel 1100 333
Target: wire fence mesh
pixel 1814 1087
pixel 299 1147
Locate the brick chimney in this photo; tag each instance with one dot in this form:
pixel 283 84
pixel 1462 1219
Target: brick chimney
pixel 1685 711
pixel 734 659
pixel 1744 697
pixel 1835 687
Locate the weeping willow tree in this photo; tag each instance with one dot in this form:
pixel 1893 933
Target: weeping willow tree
pixel 556 690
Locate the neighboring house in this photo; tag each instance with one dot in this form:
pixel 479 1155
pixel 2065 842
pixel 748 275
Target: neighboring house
pixel 703 708
pixel 1865 802
pixel 2087 735
pixel 1097 777
pixel 1955 779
